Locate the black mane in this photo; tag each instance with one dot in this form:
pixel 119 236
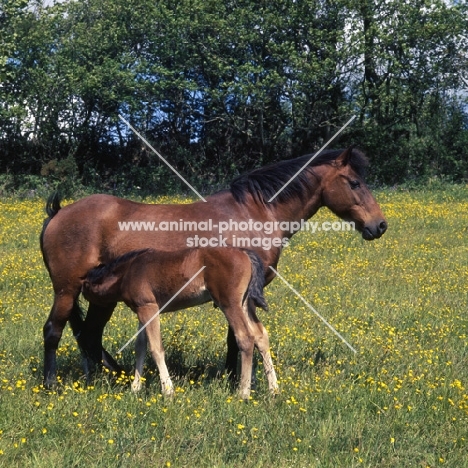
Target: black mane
pixel 264 182
pixel 97 274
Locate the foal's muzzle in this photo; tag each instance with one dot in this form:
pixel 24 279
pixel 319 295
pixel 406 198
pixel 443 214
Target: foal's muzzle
pixel 375 231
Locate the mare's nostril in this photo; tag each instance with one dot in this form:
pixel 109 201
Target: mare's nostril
pixel 383 226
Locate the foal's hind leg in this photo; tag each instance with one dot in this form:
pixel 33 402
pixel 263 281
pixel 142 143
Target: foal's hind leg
pixel 153 332
pixel 140 350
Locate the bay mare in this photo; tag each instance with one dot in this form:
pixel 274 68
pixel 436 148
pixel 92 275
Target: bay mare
pixel 87 233
pixel 150 282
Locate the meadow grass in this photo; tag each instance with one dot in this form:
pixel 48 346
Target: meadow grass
pixel 402 401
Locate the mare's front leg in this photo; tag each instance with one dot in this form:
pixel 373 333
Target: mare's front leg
pixel 90 339
pixel 153 332
pixel 140 350
pixel 232 355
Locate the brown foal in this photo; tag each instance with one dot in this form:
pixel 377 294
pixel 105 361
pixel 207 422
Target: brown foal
pixel 150 282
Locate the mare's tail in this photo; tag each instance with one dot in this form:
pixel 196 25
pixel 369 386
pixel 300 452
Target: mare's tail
pixel 52 208
pixel 257 281
pixel 53 205
pixel 76 320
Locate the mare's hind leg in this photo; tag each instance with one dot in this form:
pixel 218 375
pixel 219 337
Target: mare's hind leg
pixel 262 342
pixel 140 350
pixel 153 332
pixel 91 337
pixel 53 329
pixel 232 355
pixel 110 362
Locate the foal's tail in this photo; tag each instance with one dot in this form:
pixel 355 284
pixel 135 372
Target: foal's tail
pixel 257 281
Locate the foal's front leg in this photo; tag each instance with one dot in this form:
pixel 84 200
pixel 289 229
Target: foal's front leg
pixel 140 350
pixel 153 332
pixel 262 342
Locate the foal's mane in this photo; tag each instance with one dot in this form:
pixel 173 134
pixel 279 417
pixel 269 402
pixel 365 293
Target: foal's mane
pixel 264 182
pixel 97 274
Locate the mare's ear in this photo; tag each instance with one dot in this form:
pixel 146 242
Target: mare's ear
pixel 344 157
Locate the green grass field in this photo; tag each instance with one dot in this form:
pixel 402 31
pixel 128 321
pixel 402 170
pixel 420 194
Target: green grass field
pixel 402 401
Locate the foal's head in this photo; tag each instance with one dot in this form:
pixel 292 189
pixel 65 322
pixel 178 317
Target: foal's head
pixel 345 193
pixel 102 284
pixel 103 291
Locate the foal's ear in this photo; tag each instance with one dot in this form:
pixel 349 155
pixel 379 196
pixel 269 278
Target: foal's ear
pixel 344 157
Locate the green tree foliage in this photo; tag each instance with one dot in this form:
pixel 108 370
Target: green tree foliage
pixel 409 86
pixel 220 86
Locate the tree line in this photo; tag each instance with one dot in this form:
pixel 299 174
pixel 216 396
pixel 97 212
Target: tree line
pixel 223 86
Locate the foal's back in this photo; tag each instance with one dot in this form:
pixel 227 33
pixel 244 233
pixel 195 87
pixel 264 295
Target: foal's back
pixel 157 275
pixel 152 276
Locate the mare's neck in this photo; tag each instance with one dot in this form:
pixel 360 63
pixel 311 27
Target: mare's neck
pixel 293 209
pixel 300 207
pixel 296 209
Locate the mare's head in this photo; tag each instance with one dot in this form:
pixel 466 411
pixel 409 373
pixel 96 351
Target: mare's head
pixel 335 179
pixel 345 193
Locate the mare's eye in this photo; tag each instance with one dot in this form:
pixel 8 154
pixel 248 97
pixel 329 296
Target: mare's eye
pixel 355 184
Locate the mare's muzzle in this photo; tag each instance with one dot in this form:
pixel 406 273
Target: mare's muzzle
pixel 374 231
